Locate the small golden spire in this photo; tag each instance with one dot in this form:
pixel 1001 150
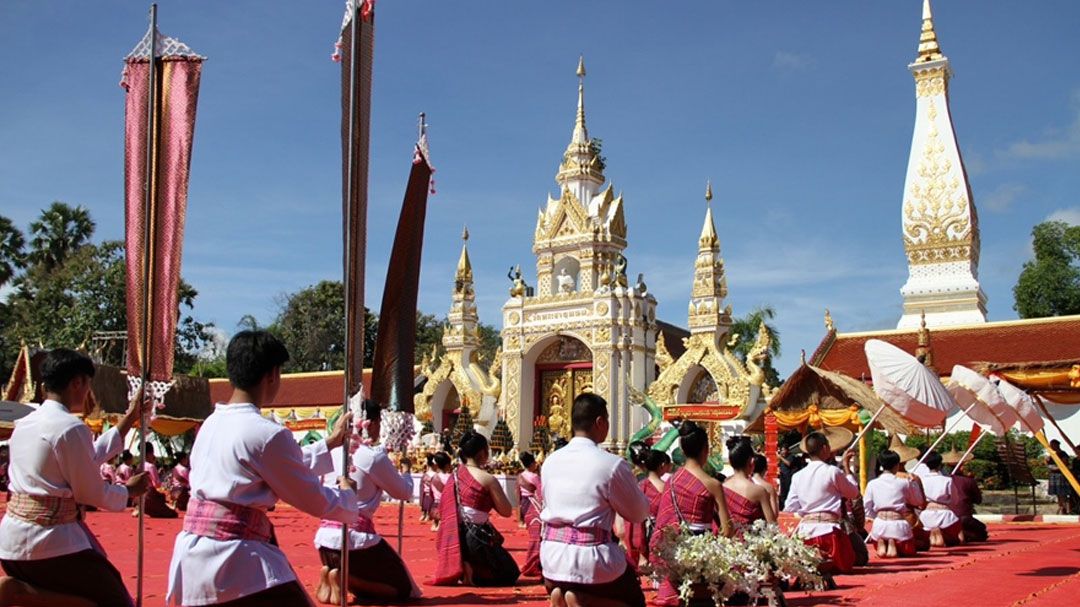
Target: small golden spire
pixel 829 325
pixel 708 239
pixel 581 134
pixel 464 266
pixel 928 43
pixel 708 190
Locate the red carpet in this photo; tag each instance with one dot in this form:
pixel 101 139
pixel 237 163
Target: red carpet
pixel 1024 564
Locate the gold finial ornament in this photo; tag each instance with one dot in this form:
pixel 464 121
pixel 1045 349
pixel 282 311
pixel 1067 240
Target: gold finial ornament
pixel 928 43
pixel 465 233
pixel 581 66
pixel 708 190
pixel 829 326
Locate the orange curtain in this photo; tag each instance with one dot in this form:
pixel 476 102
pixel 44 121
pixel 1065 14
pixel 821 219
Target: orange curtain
pixel 818 418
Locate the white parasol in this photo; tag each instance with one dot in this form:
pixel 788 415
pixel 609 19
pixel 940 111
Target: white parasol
pixel 906 386
pixel 981 402
pixel 1022 404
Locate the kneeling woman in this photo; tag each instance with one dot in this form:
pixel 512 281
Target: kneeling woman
pixel 692 498
pixel 375 570
pixel 469 548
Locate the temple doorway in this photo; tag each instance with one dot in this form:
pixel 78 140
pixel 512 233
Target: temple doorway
pixel 564 369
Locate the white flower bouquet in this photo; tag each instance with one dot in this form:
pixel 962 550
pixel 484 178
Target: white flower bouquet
pixel 721 567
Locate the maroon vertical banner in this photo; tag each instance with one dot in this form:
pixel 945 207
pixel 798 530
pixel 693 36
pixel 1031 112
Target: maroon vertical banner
pixel 395 345
pixel 356 64
pixel 154 230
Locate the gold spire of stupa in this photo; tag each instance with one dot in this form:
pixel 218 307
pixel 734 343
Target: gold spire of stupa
pixel 708 239
pixel 928 43
pixel 464 265
pixel 581 134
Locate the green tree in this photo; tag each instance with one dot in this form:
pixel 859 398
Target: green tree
pixel 60 231
pixel 12 250
pixel 311 322
pixel 747 329
pixel 1049 285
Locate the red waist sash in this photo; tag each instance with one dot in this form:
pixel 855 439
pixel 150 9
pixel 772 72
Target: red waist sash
pixel 362 525
pixel 578 536
pixel 227 521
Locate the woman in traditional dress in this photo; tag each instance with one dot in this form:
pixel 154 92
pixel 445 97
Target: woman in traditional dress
pixel 761 465
pixel 532 504
pixel 470 494
pixel 427 497
pixel 376 571
pixel 438 483
pixel 180 482
pixel 156 506
pixel 656 464
pixel 747 501
pixel 692 497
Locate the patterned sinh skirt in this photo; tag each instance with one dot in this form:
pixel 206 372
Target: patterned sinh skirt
pixel 1058 485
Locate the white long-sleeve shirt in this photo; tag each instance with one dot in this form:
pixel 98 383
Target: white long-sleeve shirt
pixel 816 488
pixel 585 486
pixel 54 453
pixel 938 489
pixel 241 458
pixel 374 475
pixel 890 493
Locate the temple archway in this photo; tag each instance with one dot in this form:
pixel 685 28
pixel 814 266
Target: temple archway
pixel 555 370
pixel 445 405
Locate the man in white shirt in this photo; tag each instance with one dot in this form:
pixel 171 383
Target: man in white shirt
pixel 241 465
pixel 55 466
pixel 889 500
pixel 584 487
pixel 816 495
pixel 376 571
pixel 938 518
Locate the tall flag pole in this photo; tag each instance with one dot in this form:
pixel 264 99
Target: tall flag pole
pixel 161 77
pixel 393 371
pixel 354 51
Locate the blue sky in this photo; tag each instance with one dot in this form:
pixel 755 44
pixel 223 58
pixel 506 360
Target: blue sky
pixel 799 111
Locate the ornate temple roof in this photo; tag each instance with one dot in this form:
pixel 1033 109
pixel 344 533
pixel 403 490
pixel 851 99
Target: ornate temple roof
pixel 1015 341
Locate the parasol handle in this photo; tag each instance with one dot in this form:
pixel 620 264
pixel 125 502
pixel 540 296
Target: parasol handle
pixel 1038 400
pixel 970 449
pixel 952 426
pixel 865 428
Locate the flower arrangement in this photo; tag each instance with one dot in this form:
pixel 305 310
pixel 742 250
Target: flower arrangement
pixel 749 565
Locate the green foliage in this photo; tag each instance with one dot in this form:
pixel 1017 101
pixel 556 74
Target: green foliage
pixel 12 250
pixel 69 288
pixel 747 329
pixel 1049 285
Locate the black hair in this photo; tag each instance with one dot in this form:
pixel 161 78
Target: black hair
pixel 63 365
pixel 251 356
pixel 638 450
pixel 761 464
pixel 430 458
pixel 471 443
pixel 815 442
pixel 442 460
pixel 126 456
pixel 693 439
pixel 149 448
pixel 740 451
pixel 653 459
pixel 527 459
pixel 371 409
pixel 888 460
pixel 559 443
pixel 587 407
pixel 933 460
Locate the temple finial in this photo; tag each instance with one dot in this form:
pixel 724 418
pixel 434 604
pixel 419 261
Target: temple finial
pixel 928 43
pixel 708 190
pixel 829 324
pixel 465 233
pixel 581 134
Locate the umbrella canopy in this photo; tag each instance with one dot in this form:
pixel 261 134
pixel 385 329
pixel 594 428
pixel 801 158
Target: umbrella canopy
pixel 1022 403
pixel 980 400
pixel 906 385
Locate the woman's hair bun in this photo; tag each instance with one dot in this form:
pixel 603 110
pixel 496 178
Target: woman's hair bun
pixel 688 427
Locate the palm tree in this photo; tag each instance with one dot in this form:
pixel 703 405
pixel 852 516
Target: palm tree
pixel 747 329
pixel 59 231
pixel 12 254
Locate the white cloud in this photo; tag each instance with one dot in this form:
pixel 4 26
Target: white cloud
pixel 1070 215
pixel 1056 144
pixel 784 60
pixel 1001 199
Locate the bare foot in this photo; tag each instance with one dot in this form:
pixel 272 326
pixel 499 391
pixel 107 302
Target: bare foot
pixel 891 549
pixel 323 593
pixel 936 539
pixel 334 578
pixel 557 599
pixel 882 548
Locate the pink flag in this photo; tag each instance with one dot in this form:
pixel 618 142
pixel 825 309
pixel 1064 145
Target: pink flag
pixel 177 82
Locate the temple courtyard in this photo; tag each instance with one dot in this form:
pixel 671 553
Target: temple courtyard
pixel 1023 564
